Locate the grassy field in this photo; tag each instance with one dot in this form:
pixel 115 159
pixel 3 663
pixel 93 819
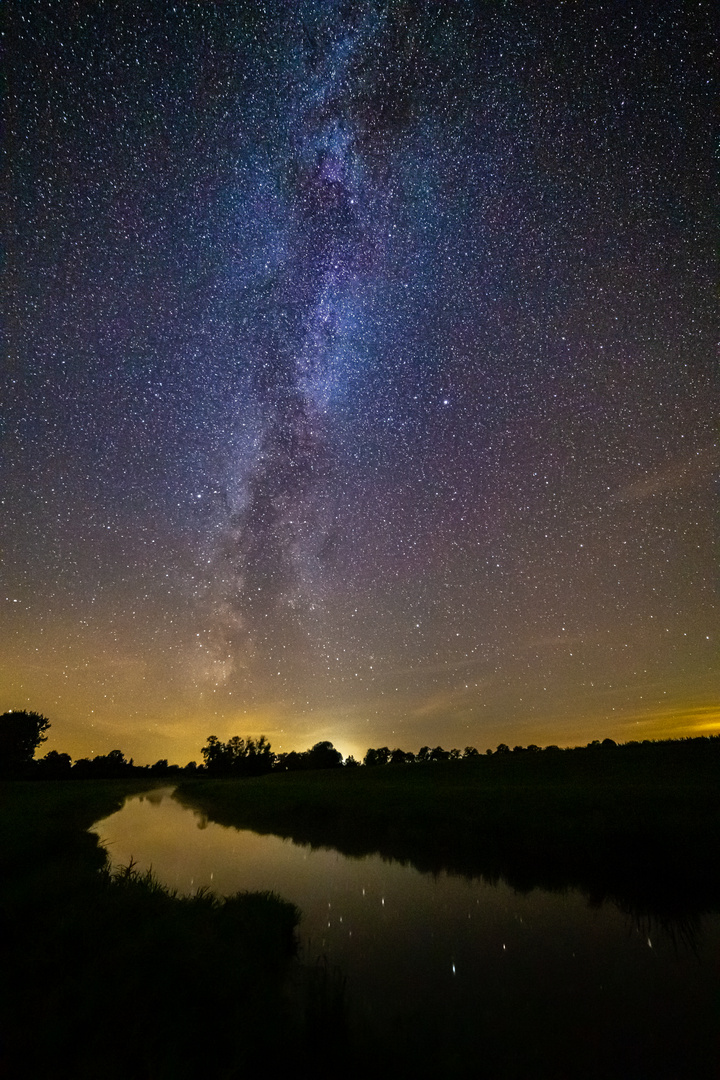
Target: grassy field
pixel 639 827
pixel 114 976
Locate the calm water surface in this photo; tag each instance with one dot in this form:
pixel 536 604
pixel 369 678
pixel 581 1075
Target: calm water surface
pixel 455 967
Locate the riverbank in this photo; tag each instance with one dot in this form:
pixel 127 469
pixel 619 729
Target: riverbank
pixel 639 827
pixel 110 973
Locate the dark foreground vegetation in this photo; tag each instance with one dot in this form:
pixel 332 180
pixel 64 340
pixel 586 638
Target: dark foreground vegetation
pixel 110 974
pixel 637 824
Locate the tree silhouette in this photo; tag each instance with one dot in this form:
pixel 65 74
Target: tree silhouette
pixel 380 756
pixel 103 766
pixel 290 762
pixel 54 766
pixel 216 755
pixel 20 735
pixel 238 757
pixel 323 755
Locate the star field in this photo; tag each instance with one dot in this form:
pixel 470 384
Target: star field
pixel 361 380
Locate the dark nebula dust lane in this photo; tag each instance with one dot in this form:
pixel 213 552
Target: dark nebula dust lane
pixel 361 380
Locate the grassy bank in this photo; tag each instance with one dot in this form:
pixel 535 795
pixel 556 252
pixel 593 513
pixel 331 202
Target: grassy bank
pixel 641 828
pixel 115 976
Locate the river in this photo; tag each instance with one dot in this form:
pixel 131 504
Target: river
pixel 455 970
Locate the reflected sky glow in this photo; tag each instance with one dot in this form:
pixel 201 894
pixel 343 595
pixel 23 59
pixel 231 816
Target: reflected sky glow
pixel 438 951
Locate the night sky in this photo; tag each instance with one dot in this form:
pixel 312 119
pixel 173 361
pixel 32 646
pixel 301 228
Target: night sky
pixel 361 378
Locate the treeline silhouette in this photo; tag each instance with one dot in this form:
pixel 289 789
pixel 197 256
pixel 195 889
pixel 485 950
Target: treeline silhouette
pixel 247 757
pixel 21 733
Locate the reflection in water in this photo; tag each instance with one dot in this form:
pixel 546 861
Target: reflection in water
pixel 436 962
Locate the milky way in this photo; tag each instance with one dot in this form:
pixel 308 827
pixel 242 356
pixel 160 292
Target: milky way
pixel 361 379
pixel 303 337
